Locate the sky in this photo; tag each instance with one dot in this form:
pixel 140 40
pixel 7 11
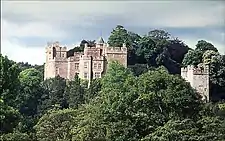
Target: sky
pixel 27 26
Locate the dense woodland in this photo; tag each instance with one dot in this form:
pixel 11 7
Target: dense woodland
pixel 148 101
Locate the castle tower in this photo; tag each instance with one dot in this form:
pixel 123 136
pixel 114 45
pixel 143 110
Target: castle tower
pixel 198 78
pixel 56 61
pixel 117 54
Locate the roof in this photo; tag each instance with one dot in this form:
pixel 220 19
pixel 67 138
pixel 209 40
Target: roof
pixel 100 41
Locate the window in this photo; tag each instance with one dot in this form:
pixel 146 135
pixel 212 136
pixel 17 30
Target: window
pixel 85 75
pixel 57 71
pixel 62 55
pixel 85 65
pixel 95 65
pixel 97 74
pixel 99 66
pixel 76 66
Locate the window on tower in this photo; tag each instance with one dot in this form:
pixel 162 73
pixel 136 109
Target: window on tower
pixel 95 65
pixel 97 74
pixel 85 64
pixel 76 66
pixel 99 66
pixel 85 75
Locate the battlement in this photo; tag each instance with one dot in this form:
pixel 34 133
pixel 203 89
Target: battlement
pixel 55 45
pixel 199 70
pixel 116 50
pixel 84 57
pixel 98 58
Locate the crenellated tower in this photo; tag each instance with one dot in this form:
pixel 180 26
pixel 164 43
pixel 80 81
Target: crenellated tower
pixel 198 78
pixel 90 64
pixel 56 60
pixel 117 54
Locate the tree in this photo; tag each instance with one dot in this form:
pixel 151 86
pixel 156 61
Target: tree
pixel 159 34
pixel 119 36
pixel 53 94
pixel 147 50
pixel 9 116
pixel 207 128
pixel 192 58
pixel 203 46
pixel 74 93
pixel 178 130
pixel 195 57
pixel 29 96
pixel 9 83
pixel 93 90
pixel 56 125
pixel 16 136
pixel 210 56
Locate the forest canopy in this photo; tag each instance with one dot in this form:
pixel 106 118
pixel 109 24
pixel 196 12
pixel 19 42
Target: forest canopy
pixel 148 101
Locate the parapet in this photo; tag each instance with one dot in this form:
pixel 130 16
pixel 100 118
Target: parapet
pixel 98 58
pixel 85 57
pixel 116 50
pixel 187 68
pixel 57 46
pixel 199 70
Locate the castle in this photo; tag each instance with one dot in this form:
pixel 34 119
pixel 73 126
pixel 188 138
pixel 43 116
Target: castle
pixel 198 78
pixel 90 64
pixel 93 62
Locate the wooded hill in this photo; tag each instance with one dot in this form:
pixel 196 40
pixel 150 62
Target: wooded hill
pixel 148 101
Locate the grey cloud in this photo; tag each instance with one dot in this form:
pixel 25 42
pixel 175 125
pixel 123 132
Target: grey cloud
pixel 161 13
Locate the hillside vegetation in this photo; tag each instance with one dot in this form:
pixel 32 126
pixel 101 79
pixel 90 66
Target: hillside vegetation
pixel 148 101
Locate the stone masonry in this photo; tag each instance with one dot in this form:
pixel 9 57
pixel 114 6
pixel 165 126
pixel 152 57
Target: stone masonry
pixel 198 78
pixel 90 64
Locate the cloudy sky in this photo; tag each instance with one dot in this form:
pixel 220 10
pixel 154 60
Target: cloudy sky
pixel 28 26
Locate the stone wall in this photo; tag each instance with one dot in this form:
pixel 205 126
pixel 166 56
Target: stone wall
pixel 198 77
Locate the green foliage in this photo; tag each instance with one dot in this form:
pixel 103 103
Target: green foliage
pixel 9 116
pixel 16 136
pixel 56 125
pixel 210 56
pixel 204 46
pixel 197 56
pixel 208 128
pixel 93 90
pixel 118 37
pixel 9 82
pixel 52 94
pixel 74 93
pixel 175 95
pixel 142 102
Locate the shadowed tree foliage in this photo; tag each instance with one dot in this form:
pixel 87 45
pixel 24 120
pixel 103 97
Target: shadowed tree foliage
pixel 147 101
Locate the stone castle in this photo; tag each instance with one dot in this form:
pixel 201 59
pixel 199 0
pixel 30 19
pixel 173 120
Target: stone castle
pixel 198 77
pixel 90 64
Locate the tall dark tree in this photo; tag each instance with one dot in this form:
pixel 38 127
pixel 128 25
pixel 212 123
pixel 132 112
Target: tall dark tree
pixel 74 93
pixel 53 94
pixel 9 82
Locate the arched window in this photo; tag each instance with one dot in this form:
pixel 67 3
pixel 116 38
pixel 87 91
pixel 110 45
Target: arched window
pixel 54 52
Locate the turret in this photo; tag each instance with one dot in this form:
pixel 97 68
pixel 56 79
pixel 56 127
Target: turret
pixel 56 60
pixel 100 42
pixel 55 52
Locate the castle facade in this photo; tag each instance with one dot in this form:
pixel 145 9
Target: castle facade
pixel 90 64
pixel 198 77
pixel 93 62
